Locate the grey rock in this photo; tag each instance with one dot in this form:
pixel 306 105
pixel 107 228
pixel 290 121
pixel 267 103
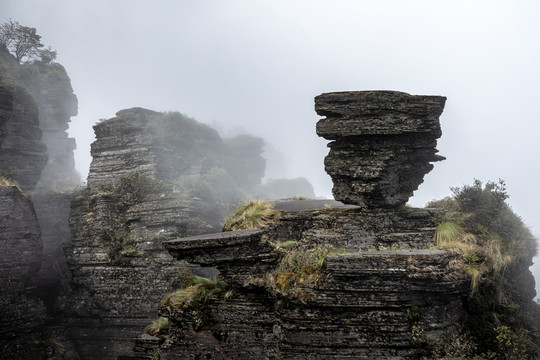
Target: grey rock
pixel 22 316
pixel 384 143
pixel 22 154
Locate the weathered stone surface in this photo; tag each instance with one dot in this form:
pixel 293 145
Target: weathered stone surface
pixel 162 146
pixel 384 142
pixel 112 300
pixel 240 255
pixel 21 315
pixel 242 328
pixel 120 271
pixel 358 312
pixel 52 210
pixel 57 104
pixel 50 88
pixel 22 154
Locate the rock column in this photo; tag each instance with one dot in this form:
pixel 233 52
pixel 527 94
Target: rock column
pixel 383 144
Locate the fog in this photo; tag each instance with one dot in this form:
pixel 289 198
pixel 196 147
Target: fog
pixel 255 67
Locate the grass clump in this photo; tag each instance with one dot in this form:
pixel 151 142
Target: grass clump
pixel 158 327
pixel 7 181
pixel 194 299
pixel 299 268
pixel 251 215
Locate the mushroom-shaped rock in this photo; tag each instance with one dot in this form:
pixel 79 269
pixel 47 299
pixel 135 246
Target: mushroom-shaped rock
pixel 383 144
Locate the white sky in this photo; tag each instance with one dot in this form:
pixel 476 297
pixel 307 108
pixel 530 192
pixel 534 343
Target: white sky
pixel 257 65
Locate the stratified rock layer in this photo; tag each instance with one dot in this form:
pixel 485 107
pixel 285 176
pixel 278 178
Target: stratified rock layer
pixel 21 315
pixel 153 177
pixel 50 86
pixel 22 154
pixel 383 144
pixel 359 311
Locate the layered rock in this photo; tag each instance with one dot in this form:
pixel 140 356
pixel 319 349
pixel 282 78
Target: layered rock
pixel 383 144
pixel 51 88
pixel 52 210
pixel 161 146
pixel 22 154
pixel 380 289
pixel 358 311
pixel 22 316
pixel 153 177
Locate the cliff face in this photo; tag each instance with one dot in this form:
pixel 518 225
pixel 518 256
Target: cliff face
pixel 54 101
pixel 51 88
pixel 361 281
pixel 34 153
pixel 22 154
pixel 22 316
pixel 153 177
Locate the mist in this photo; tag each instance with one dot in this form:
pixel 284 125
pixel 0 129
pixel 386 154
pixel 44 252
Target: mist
pixel 255 67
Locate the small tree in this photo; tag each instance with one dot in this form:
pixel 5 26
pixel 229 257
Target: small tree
pixel 24 43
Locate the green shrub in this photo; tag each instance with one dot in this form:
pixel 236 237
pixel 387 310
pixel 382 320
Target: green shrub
pixel 492 245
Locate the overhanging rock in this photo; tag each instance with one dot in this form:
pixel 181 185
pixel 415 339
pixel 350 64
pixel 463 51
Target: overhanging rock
pixel 383 144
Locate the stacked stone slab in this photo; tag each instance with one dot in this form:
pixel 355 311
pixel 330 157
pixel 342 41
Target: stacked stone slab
pixel 383 144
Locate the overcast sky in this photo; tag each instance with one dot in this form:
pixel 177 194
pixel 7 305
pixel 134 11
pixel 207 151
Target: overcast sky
pixel 255 66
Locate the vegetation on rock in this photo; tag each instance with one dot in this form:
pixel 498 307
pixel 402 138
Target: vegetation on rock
pixel 251 215
pixel 299 268
pixel 158 327
pixel 194 298
pixel 24 43
pixel 494 250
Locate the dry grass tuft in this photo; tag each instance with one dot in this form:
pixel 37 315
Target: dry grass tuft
pixel 158 327
pixel 251 215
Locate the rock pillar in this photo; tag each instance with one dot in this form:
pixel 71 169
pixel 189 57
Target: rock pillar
pixel 383 144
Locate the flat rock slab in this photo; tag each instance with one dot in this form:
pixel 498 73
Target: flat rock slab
pixel 229 247
pixel 420 252
pixel 310 205
pixel 220 237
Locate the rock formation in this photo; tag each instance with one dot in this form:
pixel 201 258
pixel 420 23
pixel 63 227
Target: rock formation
pixel 21 316
pixel 326 280
pixel 25 126
pixel 383 144
pixel 22 154
pixel 153 177
pixel 357 308
pixel 51 88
